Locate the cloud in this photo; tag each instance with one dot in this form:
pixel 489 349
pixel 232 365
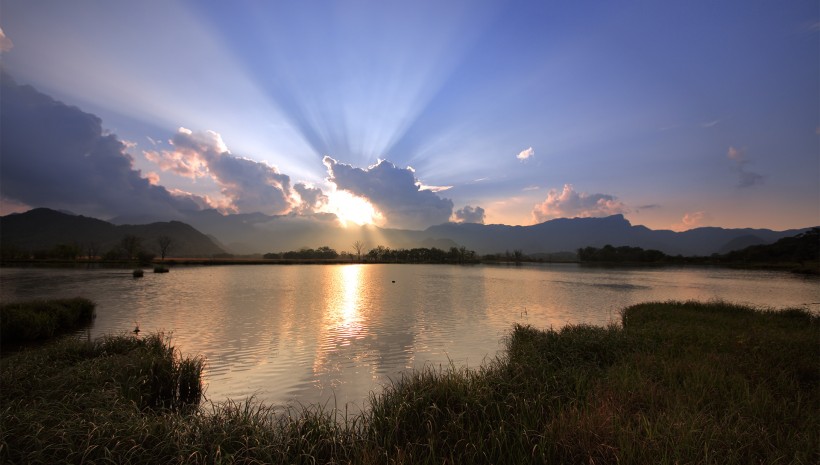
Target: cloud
pixel 746 177
pixel 691 220
pixel 5 42
pixel 248 186
pixel 525 154
pixel 395 192
pixel 568 203
pixel 469 214
pixel 312 199
pixel 58 156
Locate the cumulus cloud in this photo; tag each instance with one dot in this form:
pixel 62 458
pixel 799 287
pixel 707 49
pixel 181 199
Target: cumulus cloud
pixel 525 154
pixel 311 199
pixel 469 214
pixel 248 186
pixel 5 42
pixel 746 177
pixel 395 192
pixel 58 156
pixel 691 220
pixel 568 204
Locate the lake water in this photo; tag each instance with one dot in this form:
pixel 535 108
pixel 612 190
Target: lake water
pixel 333 333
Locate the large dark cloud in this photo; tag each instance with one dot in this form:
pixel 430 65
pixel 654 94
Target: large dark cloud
pixel 395 192
pixel 247 185
pixel 58 156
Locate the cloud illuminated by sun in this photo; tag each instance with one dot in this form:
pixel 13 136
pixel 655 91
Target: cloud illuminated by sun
pixel 350 208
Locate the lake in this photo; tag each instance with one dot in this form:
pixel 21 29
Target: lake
pixel 332 333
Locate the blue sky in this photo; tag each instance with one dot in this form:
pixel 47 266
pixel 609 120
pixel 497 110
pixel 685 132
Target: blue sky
pixel 675 114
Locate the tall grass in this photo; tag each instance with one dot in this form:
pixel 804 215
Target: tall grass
pixel 674 383
pixel 43 319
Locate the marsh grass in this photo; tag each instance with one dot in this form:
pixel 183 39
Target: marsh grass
pixel 43 319
pixel 675 383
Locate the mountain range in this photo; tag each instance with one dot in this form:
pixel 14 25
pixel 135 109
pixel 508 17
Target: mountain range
pixel 259 233
pixel 43 229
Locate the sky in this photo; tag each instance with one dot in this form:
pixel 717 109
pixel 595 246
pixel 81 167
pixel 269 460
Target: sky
pixel 676 114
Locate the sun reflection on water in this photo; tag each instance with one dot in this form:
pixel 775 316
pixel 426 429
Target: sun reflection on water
pixel 341 326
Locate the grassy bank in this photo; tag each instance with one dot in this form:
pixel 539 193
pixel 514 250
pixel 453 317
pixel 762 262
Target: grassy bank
pixel 676 383
pixel 43 319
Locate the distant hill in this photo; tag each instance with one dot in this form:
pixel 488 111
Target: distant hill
pixel 44 229
pixel 802 248
pixel 565 235
pixel 258 233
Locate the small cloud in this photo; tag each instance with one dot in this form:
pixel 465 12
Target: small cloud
pixel 485 179
pixel 152 178
pixel 568 203
pixel 710 124
pixel 525 154
pixel 469 214
pixel 531 188
pixel 691 220
pixel 746 177
pixel 433 188
pixel 5 42
pixel 651 206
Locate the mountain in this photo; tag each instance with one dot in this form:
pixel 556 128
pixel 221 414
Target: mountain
pixel 43 229
pixel 259 233
pixel 567 234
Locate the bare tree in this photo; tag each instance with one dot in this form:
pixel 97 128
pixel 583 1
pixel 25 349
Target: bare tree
pixel 92 250
pixel 164 243
pixel 358 246
pixel 131 245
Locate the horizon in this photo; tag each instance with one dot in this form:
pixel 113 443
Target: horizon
pixel 676 116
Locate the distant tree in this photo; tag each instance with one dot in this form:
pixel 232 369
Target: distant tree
pixel 164 243
pixel 92 249
pixel 358 246
pixel 518 255
pixel 131 246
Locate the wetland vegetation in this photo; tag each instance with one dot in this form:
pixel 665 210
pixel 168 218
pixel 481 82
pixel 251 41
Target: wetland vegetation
pixel 675 382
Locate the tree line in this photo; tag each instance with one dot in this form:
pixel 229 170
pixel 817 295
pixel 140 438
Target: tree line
pixel 381 254
pixel 129 248
pixel 802 249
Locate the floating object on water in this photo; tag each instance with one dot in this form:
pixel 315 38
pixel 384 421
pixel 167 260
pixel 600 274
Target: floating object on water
pixel 137 273
pixel 137 328
pixel 394 281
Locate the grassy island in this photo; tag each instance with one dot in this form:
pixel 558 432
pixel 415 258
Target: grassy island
pixel 676 382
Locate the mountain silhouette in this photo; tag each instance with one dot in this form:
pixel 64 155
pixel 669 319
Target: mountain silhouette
pixel 43 229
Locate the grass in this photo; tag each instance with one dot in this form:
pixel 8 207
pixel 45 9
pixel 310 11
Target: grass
pixel 676 382
pixel 43 319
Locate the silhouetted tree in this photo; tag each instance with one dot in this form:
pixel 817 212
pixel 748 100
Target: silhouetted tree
pixel 131 246
pixel 164 243
pixel 92 249
pixel 358 246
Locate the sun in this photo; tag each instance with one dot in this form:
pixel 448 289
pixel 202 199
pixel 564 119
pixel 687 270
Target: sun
pixel 350 208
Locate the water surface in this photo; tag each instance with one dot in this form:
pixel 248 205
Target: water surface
pixel 333 333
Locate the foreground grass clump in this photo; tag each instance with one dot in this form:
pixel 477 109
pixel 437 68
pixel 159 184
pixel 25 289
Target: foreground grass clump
pixel 43 319
pixel 73 401
pixel 676 383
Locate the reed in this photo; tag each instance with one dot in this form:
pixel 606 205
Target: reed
pixel 43 319
pixel 676 382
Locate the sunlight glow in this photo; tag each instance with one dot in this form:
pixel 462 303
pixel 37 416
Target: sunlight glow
pixel 350 208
